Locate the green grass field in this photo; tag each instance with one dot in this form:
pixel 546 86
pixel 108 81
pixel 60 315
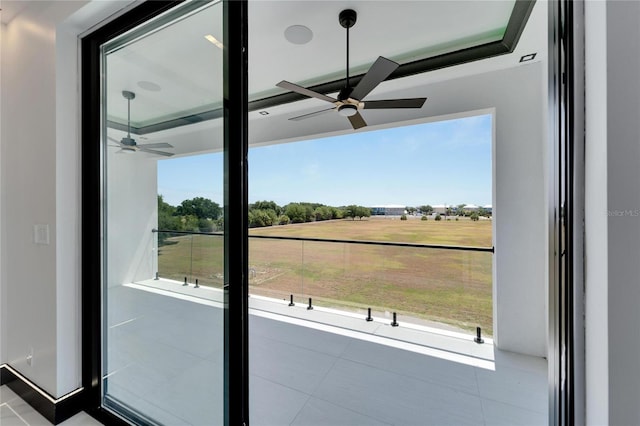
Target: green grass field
pixel 452 287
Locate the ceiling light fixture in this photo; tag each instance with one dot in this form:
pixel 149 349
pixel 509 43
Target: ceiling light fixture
pixel 264 112
pixel 214 40
pixel 298 34
pixel 149 85
pixel 529 57
pixel 348 110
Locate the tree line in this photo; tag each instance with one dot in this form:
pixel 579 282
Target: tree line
pixel 203 215
pixel 195 215
pixel 268 213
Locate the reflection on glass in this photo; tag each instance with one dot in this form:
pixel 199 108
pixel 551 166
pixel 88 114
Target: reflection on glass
pixel 163 336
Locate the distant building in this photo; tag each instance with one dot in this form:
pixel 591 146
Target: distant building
pixel 388 210
pixel 488 208
pixel 470 208
pixel 440 208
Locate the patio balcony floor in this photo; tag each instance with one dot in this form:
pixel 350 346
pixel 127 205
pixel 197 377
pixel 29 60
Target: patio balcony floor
pixel 314 367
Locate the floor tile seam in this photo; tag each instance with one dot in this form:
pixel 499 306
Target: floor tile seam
pixel 164 343
pixel 298 346
pixel 407 376
pixel 387 420
pixel 185 421
pixel 13 397
pixel 278 383
pixel 298 412
pixel 520 407
pixel 17 414
pixel 484 420
pixel 200 357
pixel 527 372
pixel 339 404
pixel 510 382
pixel 136 334
pixel 164 381
pixel 330 369
pixel 520 369
pixel 477 380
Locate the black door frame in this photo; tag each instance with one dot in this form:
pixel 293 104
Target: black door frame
pixel 566 256
pixel 566 327
pixel 236 376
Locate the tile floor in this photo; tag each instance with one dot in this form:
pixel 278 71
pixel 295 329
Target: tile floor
pixel 165 360
pixel 15 412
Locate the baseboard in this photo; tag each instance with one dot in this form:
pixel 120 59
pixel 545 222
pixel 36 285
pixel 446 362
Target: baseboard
pixel 56 410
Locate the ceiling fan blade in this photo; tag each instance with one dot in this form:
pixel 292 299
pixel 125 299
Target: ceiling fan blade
pixel 114 140
pixel 357 121
pixel 311 114
pixel 395 103
pixel 304 91
pixel 379 71
pixel 155 145
pixel 153 151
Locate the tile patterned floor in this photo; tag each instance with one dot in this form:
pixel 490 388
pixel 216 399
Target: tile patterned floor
pixel 15 412
pixel 165 361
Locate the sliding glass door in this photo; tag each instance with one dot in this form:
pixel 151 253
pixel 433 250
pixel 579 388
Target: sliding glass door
pixel 167 176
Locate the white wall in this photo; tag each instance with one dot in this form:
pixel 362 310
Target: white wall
pixel 29 195
pixel 518 96
pixel 623 193
pixel 596 244
pixel 132 214
pixel 68 212
pixel 613 227
pixel 39 174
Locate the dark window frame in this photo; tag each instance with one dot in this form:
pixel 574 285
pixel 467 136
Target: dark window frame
pixel 566 374
pixel 236 146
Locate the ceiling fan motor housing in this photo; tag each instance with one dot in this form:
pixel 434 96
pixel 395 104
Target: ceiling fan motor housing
pixel 348 18
pixel 345 93
pixel 128 141
pixel 350 98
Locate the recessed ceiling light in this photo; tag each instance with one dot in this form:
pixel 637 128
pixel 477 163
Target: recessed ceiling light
pixel 214 40
pixel 149 85
pixel 264 112
pixel 298 34
pixel 529 57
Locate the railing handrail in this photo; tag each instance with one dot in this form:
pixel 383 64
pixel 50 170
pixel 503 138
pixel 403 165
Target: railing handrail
pixel 329 240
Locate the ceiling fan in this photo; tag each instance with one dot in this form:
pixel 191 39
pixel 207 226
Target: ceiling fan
pixel 128 144
pixel 350 99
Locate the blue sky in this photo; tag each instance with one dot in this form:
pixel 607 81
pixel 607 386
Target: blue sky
pixel 445 162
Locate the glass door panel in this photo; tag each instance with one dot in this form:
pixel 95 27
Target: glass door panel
pixel 163 255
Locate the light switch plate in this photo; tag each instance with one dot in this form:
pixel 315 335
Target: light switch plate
pixel 41 234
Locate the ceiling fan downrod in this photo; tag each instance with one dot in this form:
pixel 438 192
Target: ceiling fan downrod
pixel 128 96
pixel 347 19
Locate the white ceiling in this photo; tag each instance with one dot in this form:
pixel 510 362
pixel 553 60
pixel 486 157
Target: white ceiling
pixel 11 9
pixel 188 68
pixel 184 64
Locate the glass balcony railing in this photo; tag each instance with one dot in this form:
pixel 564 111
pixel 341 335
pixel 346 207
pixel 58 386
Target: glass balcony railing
pixel 191 256
pixel 435 285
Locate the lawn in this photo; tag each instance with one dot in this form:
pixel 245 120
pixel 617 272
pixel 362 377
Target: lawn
pixel 449 286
